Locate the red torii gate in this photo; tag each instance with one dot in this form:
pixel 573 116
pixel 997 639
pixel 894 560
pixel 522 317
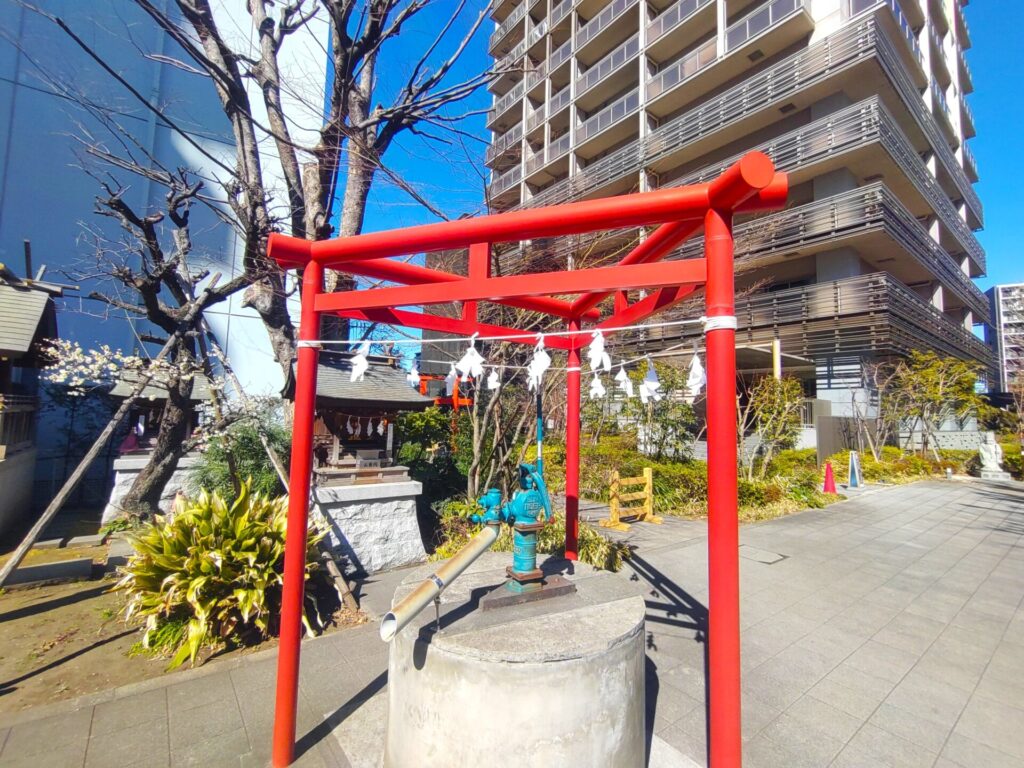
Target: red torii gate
pixel 751 184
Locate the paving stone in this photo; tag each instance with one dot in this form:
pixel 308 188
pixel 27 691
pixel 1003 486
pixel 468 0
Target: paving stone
pixel 70 756
pixel 880 660
pixel 206 721
pixel 968 753
pixel 821 716
pixel 929 697
pixel 225 749
pixel 998 725
pixel 891 750
pixel 141 742
pixel 67 731
pixel 918 730
pixel 130 711
pixel 852 691
pixel 694 747
pixel 810 743
pixel 200 691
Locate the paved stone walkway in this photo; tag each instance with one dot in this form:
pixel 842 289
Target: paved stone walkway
pixel 885 631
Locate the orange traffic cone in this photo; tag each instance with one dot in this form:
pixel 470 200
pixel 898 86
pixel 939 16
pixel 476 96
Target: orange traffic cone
pixel 830 480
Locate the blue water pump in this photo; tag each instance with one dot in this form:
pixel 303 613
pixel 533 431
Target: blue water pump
pixel 527 512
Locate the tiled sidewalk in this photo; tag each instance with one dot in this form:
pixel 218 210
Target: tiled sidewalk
pixel 884 631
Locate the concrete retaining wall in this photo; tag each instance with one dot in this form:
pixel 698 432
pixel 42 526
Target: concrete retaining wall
pixel 374 525
pixel 127 468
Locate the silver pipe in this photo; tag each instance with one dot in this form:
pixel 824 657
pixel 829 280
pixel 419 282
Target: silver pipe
pixel 433 585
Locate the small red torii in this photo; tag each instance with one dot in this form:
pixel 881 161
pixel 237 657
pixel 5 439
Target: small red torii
pixel 749 185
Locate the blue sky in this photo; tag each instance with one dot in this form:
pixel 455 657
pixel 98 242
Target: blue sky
pixel 448 175
pixel 998 106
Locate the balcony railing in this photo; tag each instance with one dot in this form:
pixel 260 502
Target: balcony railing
pixel 969 159
pixel 503 142
pixel 939 95
pixel 560 55
pixel 864 209
pixel 506 102
pixel 560 11
pixel 609 64
pixel 559 146
pixel 559 101
pixel 682 70
pixel 599 23
pixel 966 77
pixel 770 86
pixel 759 20
pixel 858 41
pixel 536 33
pixel 506 181
pixel 673 17
pixel 535 118
pixel 853 7
pixel 968 112
pixel 535 161
pixel 506 26
pixel 510 59
pixel 608 116
pixel 963 31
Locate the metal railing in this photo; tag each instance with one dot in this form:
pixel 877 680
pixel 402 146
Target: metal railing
pixel 506 26
pixel 507 62
pixel 535 118
pixel 914 102
pixel 506 102
pixel 506 181
pixel 609 64
pixel 560 11
pixel 853 7
pixel 599 23
pixel 559 146
pixel 940 98
pixel 560 55
pixel 760 20
pixel 969 159
pixel 872 313
pixel 613 113
pixel 673 17
pixel 968 113
pixel 682 70
pixel 535 161
pixel 965 74
pixel 559 101
pixel 870 208
pixel 502 143
pixel 964 31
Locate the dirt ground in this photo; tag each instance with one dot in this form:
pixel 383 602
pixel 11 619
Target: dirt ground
pixel 61 641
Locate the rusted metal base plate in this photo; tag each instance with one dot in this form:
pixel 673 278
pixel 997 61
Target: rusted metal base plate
pixel 552 586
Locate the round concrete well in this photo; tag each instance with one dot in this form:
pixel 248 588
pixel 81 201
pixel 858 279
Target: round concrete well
pixel 557 682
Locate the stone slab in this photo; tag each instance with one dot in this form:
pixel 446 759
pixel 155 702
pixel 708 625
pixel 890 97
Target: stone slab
pixel 502 597
pixel 65 570
pixel 95 540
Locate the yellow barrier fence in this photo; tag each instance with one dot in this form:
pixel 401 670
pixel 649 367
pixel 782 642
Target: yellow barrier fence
pixel 635 514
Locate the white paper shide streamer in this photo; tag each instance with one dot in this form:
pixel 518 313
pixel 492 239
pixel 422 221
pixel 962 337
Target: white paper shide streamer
pixel 359 362
pixel 599 358
pixel 538 365
pixel 623 380
pixel 597 389
pixel 413 377
pixel 650 385
pixel 449 381
pixel 472 363
pixel 695 379
pixel 493 380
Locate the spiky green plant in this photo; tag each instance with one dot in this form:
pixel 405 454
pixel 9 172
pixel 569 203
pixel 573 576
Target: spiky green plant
pixel 214 566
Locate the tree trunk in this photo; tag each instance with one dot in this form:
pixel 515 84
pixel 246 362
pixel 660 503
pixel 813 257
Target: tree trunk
pixel 143 498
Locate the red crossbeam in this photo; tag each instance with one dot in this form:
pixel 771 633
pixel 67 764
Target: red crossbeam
pixel 413 274
pixel 427 322
pixel 573 281
pixel 751 180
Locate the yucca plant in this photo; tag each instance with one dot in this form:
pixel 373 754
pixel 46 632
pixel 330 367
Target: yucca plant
pixel 210 573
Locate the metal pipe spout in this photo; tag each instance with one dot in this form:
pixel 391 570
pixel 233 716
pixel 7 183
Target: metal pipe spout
pixel 431 587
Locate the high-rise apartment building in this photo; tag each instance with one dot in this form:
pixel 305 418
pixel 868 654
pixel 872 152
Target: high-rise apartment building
pixel 1007 338
pixel 862 102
